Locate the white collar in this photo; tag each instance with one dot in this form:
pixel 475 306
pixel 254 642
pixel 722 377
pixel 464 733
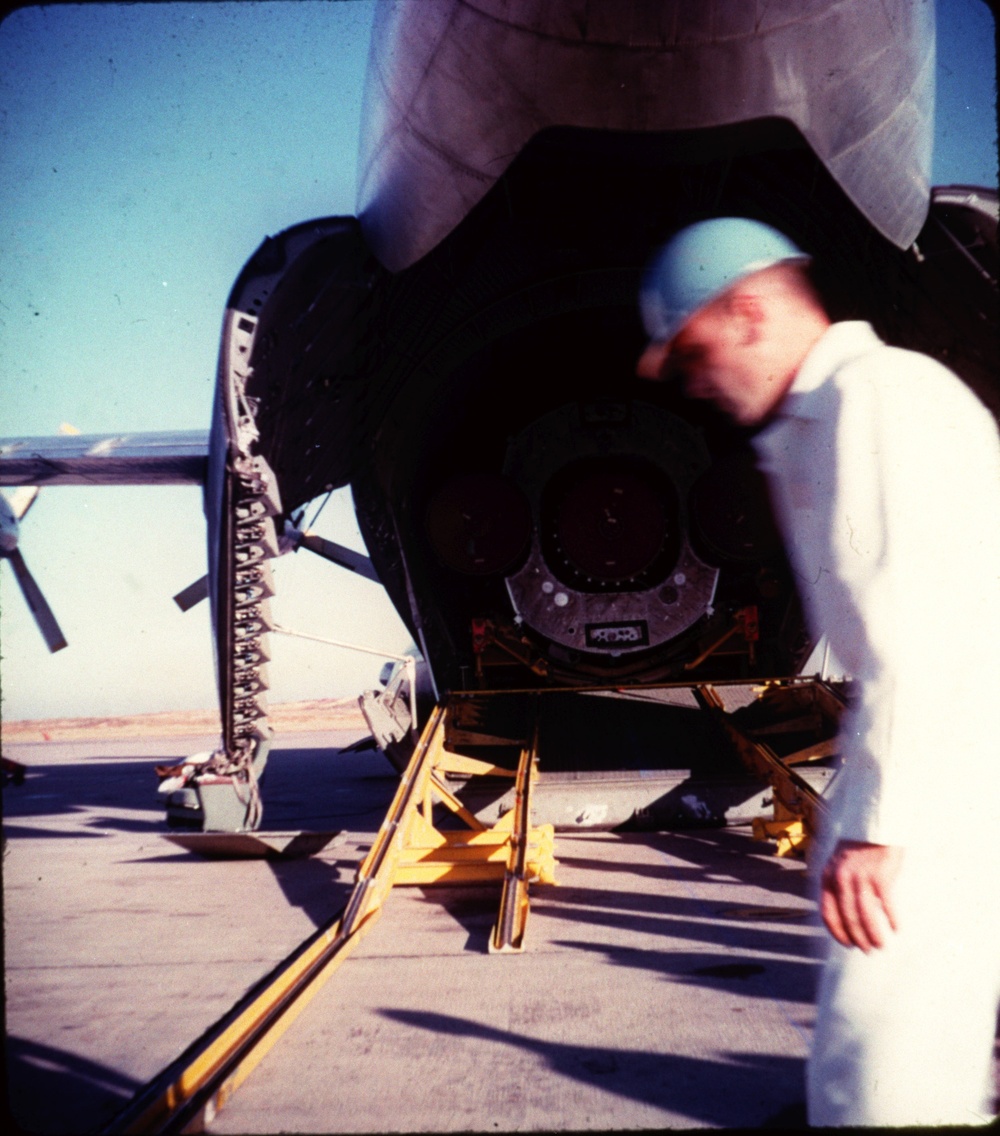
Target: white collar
pixel 839 344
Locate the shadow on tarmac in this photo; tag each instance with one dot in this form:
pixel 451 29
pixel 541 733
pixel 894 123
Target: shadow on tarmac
pixel 473 908
pixel 88 787
pixel 670 916
pixel 715 1091
pixel 26 831
pixel 319 887
pixel 779 961
pixel 56 1088
pixel 326 789
pixel 311 789
pixel 750 977
pixel 717 851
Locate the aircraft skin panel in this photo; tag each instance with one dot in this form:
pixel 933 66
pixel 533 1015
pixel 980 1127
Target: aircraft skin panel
pixel 456 89
pixel 169 458
pixel 306 367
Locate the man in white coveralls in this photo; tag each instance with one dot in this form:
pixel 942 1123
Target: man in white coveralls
pixel 884 470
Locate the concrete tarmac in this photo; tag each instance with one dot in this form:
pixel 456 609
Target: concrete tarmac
pixel 667 980
pixel 121 948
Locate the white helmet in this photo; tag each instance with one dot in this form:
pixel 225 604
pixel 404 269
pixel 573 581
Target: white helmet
pixel 700 262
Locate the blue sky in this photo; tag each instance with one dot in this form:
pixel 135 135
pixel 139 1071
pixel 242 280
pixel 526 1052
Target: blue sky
pixel 145 151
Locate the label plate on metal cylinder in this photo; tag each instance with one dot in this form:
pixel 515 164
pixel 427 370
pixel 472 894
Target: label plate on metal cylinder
pixel 633 633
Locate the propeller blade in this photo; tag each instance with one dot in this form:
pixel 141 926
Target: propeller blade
pixel 46 621
pixel 345 557
pixel 192 594
pixel 22 499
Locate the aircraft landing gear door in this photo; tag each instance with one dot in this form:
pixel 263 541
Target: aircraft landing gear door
pixel 222 794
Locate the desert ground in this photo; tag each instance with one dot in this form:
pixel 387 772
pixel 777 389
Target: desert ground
pixel 288 717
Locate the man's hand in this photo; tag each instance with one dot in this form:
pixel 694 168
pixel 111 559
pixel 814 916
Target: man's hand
pixel 856 893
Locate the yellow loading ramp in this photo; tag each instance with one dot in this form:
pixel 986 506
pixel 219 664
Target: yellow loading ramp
pixel 409 849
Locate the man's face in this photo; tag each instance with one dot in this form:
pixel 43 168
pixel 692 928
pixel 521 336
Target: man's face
pixel 712 356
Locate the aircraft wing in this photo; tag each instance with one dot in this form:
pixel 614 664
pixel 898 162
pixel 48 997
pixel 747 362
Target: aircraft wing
pixel 178 457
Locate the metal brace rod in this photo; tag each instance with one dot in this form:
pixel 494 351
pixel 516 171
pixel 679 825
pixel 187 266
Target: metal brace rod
pixel 408 661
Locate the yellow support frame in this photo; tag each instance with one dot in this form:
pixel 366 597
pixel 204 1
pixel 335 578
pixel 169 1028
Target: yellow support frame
pixel 410 850
pixel 798 808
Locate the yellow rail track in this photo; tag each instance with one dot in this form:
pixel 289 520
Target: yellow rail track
pixel 409 849
pixel 188 1093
